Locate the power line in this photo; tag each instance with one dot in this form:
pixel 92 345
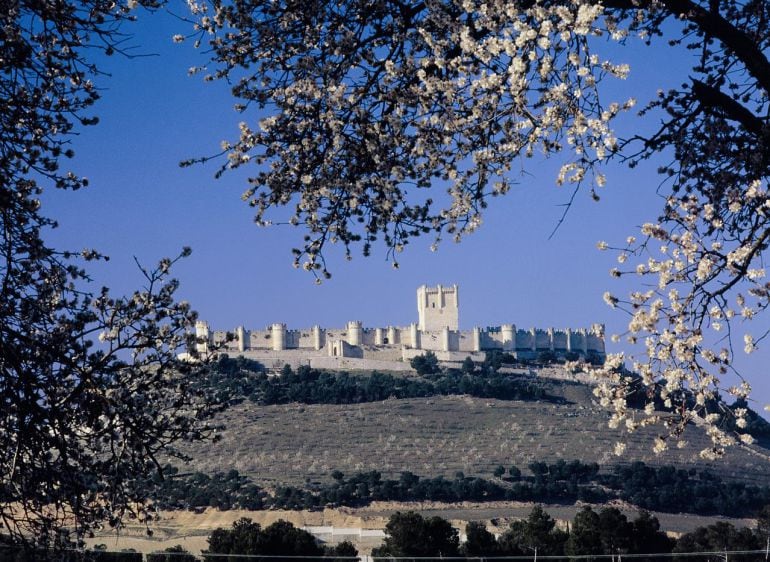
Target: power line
pixel 722 554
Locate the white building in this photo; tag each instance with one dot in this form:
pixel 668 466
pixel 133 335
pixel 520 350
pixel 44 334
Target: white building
pixel 436 330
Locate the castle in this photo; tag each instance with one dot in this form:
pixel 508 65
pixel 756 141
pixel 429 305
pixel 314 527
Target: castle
pixel 437 330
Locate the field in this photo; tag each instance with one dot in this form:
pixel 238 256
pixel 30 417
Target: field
pixel 192 529
pixel 439 436
pixel 296 444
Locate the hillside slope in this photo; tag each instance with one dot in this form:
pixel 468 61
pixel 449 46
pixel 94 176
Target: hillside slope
pixel 441 435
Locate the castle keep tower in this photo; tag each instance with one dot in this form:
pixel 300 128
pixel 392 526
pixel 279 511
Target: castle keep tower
pixel 437 308
pixel 437 330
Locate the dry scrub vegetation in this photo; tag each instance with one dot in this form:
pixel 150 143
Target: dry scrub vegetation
pixel 435 436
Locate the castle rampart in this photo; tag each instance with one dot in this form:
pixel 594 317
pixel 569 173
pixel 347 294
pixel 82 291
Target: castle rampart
pixel 437 330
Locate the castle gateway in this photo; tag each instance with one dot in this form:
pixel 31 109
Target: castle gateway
pixel 436 330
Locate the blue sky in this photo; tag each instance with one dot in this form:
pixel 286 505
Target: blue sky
pixel 141 203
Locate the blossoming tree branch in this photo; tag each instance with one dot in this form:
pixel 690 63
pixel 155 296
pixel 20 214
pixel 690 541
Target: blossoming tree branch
pixel 375 122
pixel 92 391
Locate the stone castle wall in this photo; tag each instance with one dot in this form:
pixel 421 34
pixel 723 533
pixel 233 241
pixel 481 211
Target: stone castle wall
pixel 436 331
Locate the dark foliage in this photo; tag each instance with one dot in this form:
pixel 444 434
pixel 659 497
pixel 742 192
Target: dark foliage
pixel 279 539
pixel 240 378
pixel 536 533
pixel 670 489
pixel 662 489
pixel 341 552
pixel 410 534
pixel 231 490
pixel 224 491
pixel 719 537
pixel 605 532
pixel 91 387
pixel 172 554
pixel 479 541
pixel 273 543
pixel 426 364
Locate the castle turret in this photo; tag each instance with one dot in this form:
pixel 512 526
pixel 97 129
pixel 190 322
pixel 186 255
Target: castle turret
pixel 354 332
pixel 278 335
pixel 202 337
pixel 444 339
pixel 414 334
pixel 476 339
pixel 437 329
pixel 597 331
pixel 509 337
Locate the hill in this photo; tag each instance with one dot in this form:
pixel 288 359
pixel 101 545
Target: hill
pixel 441 435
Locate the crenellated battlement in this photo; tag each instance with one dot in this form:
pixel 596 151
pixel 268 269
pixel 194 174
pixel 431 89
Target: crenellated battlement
pixel 437 330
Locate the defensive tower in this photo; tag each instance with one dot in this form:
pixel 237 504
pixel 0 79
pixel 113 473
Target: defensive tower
pixel 437 330
pixel 438 308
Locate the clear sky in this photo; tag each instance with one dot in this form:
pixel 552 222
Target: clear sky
pixel 141 203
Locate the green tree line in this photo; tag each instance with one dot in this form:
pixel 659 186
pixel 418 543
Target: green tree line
pixel 666 489
pixel 412 535
pixel 237 379
pixel 606 531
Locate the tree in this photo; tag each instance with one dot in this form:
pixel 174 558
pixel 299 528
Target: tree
pixel 278 539
pixel 341 552
pixel 425 364
pixel 380 123
pixel 546 357
pixel 283 538
pixel 172 554
pixel 243 538
pixel 479 541
pixel 763 525
pixel 615 531
pixel 585 536
pixel 537 532
pixel 719 537
pixel 647 538
pixel 409 534
pixel 83 422
pixel 337 475
pixel 92 390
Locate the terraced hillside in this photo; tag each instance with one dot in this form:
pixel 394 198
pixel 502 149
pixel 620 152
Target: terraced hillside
pixel 440 436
